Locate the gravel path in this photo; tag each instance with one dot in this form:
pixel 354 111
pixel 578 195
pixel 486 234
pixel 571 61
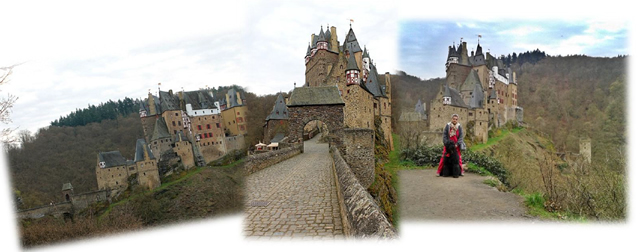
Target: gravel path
pixel 426 197
pixel 294 198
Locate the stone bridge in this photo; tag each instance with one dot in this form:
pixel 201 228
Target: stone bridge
pixel 311 196
pixel 72 204
pixel 63 209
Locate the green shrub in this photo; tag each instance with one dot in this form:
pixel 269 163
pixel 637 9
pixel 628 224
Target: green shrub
pixel 535 200
pixel 430 155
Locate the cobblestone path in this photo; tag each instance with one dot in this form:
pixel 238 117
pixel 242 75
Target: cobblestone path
pixel 294 198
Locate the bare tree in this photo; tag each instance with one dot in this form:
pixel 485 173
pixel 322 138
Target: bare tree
pixel 5 107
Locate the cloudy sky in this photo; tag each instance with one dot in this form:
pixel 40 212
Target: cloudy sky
pixel 423 44
pixel 72 53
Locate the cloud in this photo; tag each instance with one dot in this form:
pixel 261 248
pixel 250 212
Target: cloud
pixel 521 31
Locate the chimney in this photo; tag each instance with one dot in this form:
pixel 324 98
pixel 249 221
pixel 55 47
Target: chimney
pixel 334 39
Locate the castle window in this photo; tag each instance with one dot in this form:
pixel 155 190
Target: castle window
pixel 199 127
pixel 176 114
pixel 208 126
pixel 179 123
pixel 210 134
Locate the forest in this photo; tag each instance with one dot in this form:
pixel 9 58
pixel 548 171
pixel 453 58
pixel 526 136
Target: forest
pixel 66 151
pixel 565 99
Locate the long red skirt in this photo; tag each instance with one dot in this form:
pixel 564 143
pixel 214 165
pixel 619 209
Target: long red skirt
pixel 444 152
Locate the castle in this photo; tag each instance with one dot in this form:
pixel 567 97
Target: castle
pixel 351 69
pixel 480 89
pixel 180 129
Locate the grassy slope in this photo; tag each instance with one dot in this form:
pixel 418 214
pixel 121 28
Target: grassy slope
pixel 214 191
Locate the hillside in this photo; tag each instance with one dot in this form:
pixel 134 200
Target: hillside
pixel 407 89
pixel 573 97
pixel 567 98
pixel 200 193
pixel 57 155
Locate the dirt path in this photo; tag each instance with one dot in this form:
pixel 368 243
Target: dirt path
pixel 426 197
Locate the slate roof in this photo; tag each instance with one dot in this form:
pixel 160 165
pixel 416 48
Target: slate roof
pixel 67 186
pixel 111 159
pixel 233 98
pixel 279 111
pixel 160 130
pixel 351 63
pixel 373 85
pixel 144 106
pixel 168 101
pixel 321 36
pixel 277 138
pixel 351 43
pixel 456 99
pixel 314 42
pixel 419 108
pixel 477 98
pixel 307 96
pixel 141 145
pixel 199 100
pixel 471 81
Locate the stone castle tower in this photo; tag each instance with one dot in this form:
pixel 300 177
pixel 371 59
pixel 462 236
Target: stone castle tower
pixel 480 88
pixel 585 149
pixel 352 70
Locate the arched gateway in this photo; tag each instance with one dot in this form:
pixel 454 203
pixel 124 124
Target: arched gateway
pixel 314 103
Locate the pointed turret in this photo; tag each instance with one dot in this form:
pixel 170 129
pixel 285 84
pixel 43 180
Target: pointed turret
pixel 321 35
pixel 446 96
pixel 351 42
pixel 352 72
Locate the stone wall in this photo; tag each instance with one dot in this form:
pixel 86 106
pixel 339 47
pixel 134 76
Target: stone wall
pixel 318 67
pixel 83 200
pixel 357 148
pixel 361 216
pixel 185 151
pixel 56 210
pixel 234 143
pixel 263 160
pixel 299 116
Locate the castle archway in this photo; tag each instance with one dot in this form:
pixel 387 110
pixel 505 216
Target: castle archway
pixel 309 104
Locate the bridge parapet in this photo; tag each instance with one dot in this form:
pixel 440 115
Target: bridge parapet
pixel 361 216
pixel 263 160
pixel 57 210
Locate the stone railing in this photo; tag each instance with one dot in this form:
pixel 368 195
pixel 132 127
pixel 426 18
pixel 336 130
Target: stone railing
pixel 263 160
pixel 56 210
pixel 361 216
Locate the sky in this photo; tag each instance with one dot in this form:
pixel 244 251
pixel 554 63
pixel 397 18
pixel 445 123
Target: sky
pixel 423 44
pixel 72 54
